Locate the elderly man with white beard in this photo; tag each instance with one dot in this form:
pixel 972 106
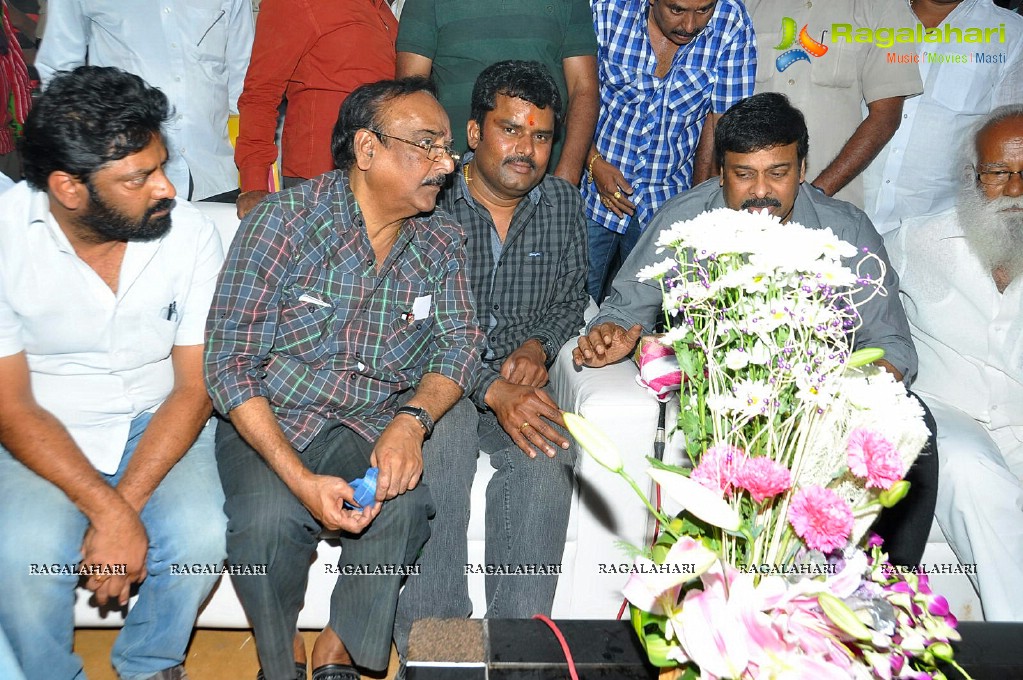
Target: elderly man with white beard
pixel 962 289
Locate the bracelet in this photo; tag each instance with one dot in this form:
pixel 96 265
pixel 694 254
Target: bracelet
pixel 589 166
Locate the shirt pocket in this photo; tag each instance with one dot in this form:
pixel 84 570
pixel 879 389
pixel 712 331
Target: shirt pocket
pixel 623 85
pixel 307 316
pixel 689 93
pixel 407 339
pixel 839 67
pixel 205 28
pixel 963 88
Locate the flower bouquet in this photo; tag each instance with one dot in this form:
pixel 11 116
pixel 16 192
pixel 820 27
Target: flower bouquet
pixel 794 444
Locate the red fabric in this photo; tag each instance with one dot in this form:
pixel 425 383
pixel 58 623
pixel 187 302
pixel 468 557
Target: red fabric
pixel 15 87
pixel 314 52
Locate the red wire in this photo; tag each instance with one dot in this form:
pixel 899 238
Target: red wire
pixel 657 532
pixel 564 645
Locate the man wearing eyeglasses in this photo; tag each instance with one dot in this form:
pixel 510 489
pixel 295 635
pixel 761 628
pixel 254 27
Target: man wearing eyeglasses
pixel 961 278
pixel 341 329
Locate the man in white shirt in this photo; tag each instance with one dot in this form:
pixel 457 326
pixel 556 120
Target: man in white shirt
pixel 106 453
pixel 5 182
pixel 195 51
pixel 961 275
pixel 916 173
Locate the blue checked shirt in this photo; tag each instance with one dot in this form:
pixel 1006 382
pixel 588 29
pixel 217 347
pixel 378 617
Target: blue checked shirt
pixel 302 317
pixel 648 126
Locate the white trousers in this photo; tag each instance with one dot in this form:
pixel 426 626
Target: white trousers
pixel 980 505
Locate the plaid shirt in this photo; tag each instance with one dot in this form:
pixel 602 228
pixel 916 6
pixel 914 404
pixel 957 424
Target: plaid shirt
pixel 648 126
pixel 537 286
pixel 302 317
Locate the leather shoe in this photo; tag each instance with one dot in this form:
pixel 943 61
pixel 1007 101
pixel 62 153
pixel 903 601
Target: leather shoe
pixel 336 671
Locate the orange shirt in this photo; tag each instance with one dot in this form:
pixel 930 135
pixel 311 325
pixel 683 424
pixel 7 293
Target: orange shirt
pixel 313 53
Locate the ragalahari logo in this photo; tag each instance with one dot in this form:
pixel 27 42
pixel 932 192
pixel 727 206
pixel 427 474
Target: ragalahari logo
pixel 807 45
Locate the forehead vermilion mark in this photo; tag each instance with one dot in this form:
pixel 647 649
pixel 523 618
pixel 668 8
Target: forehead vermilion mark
pixel 532 121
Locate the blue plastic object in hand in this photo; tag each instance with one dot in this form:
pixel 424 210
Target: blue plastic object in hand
pixel 365 490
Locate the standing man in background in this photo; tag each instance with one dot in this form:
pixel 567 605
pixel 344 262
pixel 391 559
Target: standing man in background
pixel 831 88
pixel 668 70
pixel 195 51
pixel 916 173
pixel 312 53
pixel 454 40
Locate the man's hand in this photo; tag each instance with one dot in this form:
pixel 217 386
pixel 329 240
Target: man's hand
pixel 613 188
pixel 526 365
pixel 324 497
pixel 521 410
pixel 247 200
pixel 113 539
pixel 399 456
pixel 606 344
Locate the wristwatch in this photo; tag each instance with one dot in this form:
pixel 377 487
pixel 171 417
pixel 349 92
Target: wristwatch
pixel 421 415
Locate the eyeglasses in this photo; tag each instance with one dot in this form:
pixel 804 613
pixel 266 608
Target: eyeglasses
pixel 434 152
pixel 997 178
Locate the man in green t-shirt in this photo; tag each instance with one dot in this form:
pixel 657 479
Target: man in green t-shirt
pixel 452 41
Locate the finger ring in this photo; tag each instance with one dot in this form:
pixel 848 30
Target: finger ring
pixel 523 426
pixel 101 578
pixel 603 199
pixel 617 194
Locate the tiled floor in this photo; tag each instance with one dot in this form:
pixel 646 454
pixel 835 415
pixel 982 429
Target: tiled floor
pixel 213 654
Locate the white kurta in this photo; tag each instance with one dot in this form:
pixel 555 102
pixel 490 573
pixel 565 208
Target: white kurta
pixel 969 340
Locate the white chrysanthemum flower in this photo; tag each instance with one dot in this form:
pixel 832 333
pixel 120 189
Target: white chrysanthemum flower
pixel 657 270
pixel 737 359
pixel 675 334
pixel 752 397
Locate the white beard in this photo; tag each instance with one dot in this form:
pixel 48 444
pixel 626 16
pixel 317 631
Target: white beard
pixel 994 236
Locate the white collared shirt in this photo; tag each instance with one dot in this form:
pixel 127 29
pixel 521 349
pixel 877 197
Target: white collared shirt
pixel 969 337
pixel 916 173
pixel 99 358
pixel 195 51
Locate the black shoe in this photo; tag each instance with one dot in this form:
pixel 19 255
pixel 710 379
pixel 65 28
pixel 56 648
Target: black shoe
pixel 336 671
pixel 299 672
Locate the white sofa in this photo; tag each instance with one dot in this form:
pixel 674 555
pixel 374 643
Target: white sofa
pixel 604 510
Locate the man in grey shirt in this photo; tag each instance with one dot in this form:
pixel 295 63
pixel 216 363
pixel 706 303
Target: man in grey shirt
pixel 761 145
pixel 763 162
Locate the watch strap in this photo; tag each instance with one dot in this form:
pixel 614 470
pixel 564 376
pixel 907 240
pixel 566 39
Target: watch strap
pixel 421 415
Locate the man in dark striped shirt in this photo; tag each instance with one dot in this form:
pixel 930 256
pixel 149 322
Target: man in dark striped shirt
pixel 341 329
pixel 527 259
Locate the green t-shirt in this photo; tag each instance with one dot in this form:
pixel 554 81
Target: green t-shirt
pixel 463 37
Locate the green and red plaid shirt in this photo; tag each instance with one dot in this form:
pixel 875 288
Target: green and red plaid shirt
pixel 302 317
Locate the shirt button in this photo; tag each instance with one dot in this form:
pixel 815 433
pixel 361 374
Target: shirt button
pixel 905 115
pixel 792 81
pixel 369 261
pixel 497 306
pixel 177 79
pixel 174 45
pixel 166 10
pixel 352 376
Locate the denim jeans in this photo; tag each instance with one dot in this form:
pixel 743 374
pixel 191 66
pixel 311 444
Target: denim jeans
pixel 528 503
pixel 9 668
pixel 41 526
pixel 608 250
pixel 268 525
